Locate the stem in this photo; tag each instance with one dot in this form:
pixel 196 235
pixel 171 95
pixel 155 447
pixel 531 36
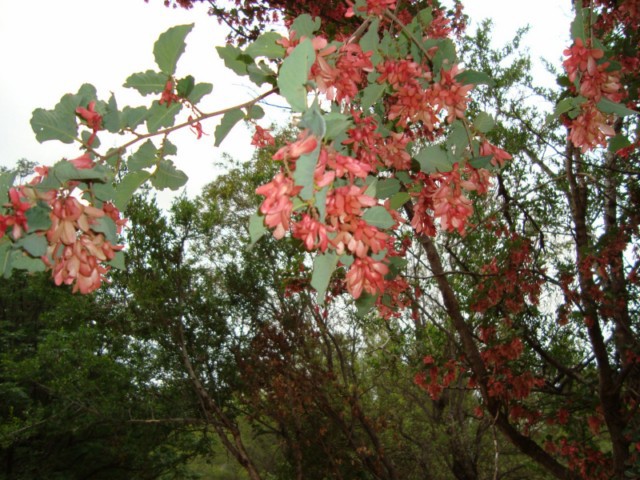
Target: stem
pixel 119 150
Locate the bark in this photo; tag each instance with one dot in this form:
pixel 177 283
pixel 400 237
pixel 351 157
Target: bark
pixel 496 409
pixel 608 385
pixel 223 426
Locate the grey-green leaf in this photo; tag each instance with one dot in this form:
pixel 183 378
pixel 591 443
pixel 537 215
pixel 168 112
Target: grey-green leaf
pixel 323 267
pixel 228 121
pixel 379 217
pixel 434 159
pixel 144 157
pixel 265 46
pixel 607 106
pixel 169 47
pixel 473 77
pixel 147 82
pixel 484 122
pixel 128 186
pixel 257 228
pixel 167 175
pixel 162 116
pixel 294 73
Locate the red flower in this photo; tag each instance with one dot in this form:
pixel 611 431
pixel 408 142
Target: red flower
pixel 92 118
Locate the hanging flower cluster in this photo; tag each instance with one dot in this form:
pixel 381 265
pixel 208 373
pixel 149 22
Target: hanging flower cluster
pixel 76 245
pixel 340 213
pixel 594 79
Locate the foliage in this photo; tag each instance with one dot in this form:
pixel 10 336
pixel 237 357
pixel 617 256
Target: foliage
pixel 78 399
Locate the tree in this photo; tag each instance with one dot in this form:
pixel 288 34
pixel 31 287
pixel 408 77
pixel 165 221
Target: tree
pixel 387 185
pixel 78 398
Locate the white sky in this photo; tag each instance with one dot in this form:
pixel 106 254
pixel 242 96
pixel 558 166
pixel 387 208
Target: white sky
pixel 49 48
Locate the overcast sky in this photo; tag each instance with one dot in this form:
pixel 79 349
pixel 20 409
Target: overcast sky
pixel 49 48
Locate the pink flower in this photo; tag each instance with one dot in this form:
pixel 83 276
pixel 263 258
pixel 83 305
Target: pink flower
pixel 93 119
pixel 348 201
pixel 306 143
pixel 18 221
pixel 83 162
pixel 262 138
pixel 365 274
pixel 590 129
pixel 277 207
pixel 312 233
pixel 499 156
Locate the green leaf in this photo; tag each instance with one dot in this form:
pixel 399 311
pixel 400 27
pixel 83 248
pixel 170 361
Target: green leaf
pixel 398 200
pixel 185 85
pixel 396 266
pixel 147 82
pixel 365 304
pixel 371 40
pixel 445 56
pixel 35 245
pixel 618 142
pixel 234 59
pixel 577 25
pixel 256 112
pixel 265 46
pixel 107 227
pixel 434 159
pixel 336 123
pixel 305 26
pixel 6 182
pixel 260 75
pixel 303 176
pixel 131 117
pixel 425 17
pixel 162 116
pixel 320 202
pixel 22 261
pixel 169 47
pixel 294 74
pixel 118 261
pixel 38 218
pixel 111 119
pixel 458 139
pixel 102 191
pixel 372 187
pixel 168 148
pixel 125 189
pixel 6 254
pixel 199 91
pixel 61 123
pixel 379 217
pixel 57 124
pixel 257 228
pixel 64 171
pixel 144 157
pixel 607 106
pixel 313 120
pixel 346 260
pixel 481 162
pixel 473 77
pixel 371 94
pixel 387 188
pixel 323 267
pixel 167 175
pixel 570 106
pixel 484 122
pixel 228 121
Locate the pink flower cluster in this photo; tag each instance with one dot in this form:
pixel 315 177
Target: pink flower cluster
pixel 595 80
pixel 76 251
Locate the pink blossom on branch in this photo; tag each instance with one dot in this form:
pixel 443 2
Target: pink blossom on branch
pixel 277 207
